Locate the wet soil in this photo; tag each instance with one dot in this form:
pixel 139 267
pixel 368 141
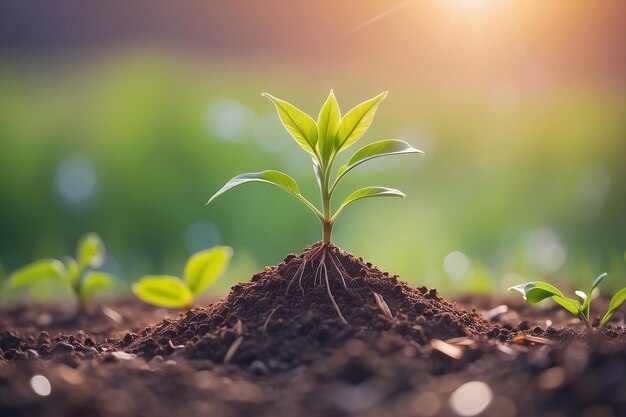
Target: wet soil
pixel 274 349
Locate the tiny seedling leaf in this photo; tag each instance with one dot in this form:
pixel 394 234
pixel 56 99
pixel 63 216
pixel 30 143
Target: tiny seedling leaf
pixel 299 124
pixel 616 301
pixel 571 305
pixel 163 291
pixel 376 150
pixel 90 252
pixel 94 282
pixel 73 270
pixel 204 267
pixel 40 270
pixel 598 281
pixel 518 288
pixel 275 178
pixel 538 290
pixel 582 295
pixel 357 121
pixel 327 126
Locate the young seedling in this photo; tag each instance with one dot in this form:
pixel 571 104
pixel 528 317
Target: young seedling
pixel 324 140
pixel 201 270
pixel 77 274
pixel 536 291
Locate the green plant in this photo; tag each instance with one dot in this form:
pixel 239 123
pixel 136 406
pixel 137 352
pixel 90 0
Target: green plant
pixel 536 291
pixel 324 140
pixel 76 273
pixel 201 270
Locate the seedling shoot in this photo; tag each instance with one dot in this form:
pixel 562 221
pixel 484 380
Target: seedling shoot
pixel 324 140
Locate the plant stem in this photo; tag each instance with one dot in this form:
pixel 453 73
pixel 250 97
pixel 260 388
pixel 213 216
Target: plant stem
pixel 328 230
pixel 327 223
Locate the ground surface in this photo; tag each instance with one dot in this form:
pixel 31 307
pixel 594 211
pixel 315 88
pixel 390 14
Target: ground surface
pixel 266 351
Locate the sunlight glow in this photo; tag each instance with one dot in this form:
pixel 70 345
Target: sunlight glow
pixel 467 5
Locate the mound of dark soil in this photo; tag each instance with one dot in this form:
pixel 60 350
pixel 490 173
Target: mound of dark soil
pixel 284 316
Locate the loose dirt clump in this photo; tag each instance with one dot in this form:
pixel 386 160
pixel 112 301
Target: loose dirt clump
pixel 286 316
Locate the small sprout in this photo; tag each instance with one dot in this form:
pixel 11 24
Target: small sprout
pixel 536 291
pixel 324 140
pixel 201 270
pixel 77 274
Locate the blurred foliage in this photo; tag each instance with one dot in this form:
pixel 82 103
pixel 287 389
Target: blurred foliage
pixel 130 145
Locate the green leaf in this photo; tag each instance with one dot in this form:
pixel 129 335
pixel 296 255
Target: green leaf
pixel 73 271
pixel 327 126
pixel 94 282
pixel 164 291
pixel 40 270
pixel 356 121
pixel 90 252
pixel 598 281
pixel 299 124
pixel 571 305
pixel 367 193
pixel 518 288
pixel 318 172
pixel 376 150
pixel 538 290
pixel 275 178
pixel 204 267
pixel 616 301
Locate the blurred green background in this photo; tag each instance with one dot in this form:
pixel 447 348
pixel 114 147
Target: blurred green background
pixel 123 120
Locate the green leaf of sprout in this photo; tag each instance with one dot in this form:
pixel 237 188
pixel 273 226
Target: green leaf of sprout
pixel 299 124
pixel 271 177
pixel 368 192
pixel 318 172
pixel 357 121
pixel 327 125
pixel 204 267
pixel 598 281
pixel 163 291
pixel 90 251
pixel 518 288
pixel 538 290
pixel 377 150
pixel 616 301
pixel 37 271
pixel 94 282
pixel 275 178
pixel 571 305
pixel 73 270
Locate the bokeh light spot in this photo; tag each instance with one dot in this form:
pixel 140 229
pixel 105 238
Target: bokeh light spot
pixel 270 134
pixel 201 235
pixel 229 120
pixel 41 385
pixel 544 250
pixel 456 264
pixel 76 179
pixel 471 398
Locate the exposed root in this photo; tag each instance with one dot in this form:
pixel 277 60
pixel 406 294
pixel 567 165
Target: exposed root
pixel 269 316
pixel 321 256
pixel 330 295
pixel 233 348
